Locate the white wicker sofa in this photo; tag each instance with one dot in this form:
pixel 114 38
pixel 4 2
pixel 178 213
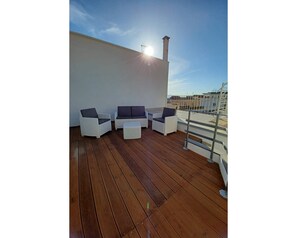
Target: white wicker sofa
pixel 130 113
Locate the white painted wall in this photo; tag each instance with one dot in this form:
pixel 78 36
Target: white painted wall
pixel 104 76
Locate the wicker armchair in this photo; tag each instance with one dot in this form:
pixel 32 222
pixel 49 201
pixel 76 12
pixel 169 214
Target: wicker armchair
pixel 93 124
pixel 166 122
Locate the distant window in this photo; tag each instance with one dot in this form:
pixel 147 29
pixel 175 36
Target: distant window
pixel 213 104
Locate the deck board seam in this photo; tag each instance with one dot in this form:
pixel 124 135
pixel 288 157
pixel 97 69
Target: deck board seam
pixel 125 176
pixel 121 196
pixel 106 192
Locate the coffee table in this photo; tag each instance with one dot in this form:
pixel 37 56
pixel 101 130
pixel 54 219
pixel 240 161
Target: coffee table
pixel 132 130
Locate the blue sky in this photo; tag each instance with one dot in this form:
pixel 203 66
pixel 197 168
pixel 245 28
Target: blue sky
pixel 197 31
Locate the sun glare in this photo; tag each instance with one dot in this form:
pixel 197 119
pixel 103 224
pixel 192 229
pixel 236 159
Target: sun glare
pixel 148 50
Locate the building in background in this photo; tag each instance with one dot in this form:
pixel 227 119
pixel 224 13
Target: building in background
pixel 206 102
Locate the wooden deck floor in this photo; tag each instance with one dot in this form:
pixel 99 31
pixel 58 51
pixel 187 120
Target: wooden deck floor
pixel 149 187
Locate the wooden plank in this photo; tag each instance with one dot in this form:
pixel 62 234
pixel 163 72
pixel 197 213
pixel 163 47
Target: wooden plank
pixel 103 209
pixel 134 183
pixel 132 234
pixel 185 224
pixel 162 226
pixel 74 133
pixel 86 200
pixel 180 226
pixel 160 141
pixel 120 212
pixel 194 206
pixel 146 229
pixel 210 205
pixel 209 170
pixel 149 186
pixel 194 158
pixel 195 182
pixel 214 196
pixel 158 168
pixel 157 180
pixel 133 205
pixel 186 165
pixel 76 229
pixel 163 165
pixel 177 150
pixel 169 158
pixel 174 143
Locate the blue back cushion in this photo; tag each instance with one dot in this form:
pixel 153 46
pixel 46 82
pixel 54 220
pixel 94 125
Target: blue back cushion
pixel 168 112
pixel 138 111
pixel 101 121
pixel 124 111
pixel 90 112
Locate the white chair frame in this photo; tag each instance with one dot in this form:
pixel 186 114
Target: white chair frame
pixel 169 125
pixel 91 127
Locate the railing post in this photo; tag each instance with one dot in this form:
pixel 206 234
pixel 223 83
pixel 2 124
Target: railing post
pixel 214 139
pixel 187 136
pixel 220 97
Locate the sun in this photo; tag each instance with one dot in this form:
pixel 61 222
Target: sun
pixel 148 50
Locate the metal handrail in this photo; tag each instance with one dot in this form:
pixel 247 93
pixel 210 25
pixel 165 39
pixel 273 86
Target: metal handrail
pixel 209 138
pixel 210 113
pixel 213 139
pixel 205 124
pixel 187 136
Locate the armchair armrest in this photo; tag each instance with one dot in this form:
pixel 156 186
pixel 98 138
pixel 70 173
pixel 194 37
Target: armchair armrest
pixel 171 123
pixel 89 126
pixel 171 119
pixel 89 121
pixel 104 116
pixel 157 115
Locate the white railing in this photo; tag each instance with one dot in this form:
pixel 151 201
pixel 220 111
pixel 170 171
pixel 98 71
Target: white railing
pixel 216 102
pixel 203 130
pixel 205 117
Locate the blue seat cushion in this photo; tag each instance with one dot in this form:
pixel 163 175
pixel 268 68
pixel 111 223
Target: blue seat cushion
pixel 118 117
pixel 161 119
pixel 90 112
pixel 168 112
pixel 138 117
pixel 124 111
pixel 138 111
pixel 103 121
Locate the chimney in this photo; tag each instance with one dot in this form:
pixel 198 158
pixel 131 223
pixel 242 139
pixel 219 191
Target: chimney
pixel 165 47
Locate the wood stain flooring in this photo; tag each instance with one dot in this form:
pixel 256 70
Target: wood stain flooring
pixel 149 187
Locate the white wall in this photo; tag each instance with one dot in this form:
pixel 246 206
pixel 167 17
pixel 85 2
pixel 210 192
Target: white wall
pixel 105 76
